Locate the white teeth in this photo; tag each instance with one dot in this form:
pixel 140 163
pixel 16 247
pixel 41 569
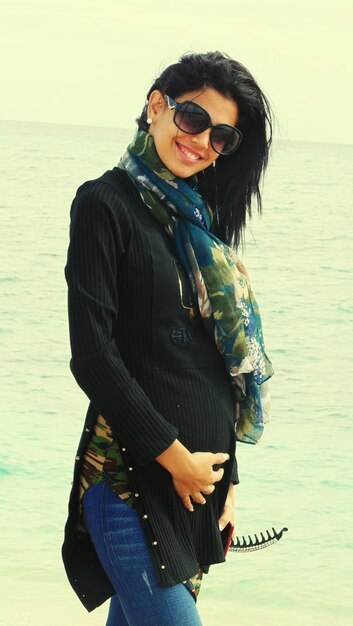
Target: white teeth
pixel 190 155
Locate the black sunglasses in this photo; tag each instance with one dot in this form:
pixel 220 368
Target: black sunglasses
pixel 193 119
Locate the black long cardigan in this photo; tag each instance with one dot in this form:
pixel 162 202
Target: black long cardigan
pixel 151 370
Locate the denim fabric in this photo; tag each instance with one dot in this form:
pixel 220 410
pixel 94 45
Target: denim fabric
pixel 120 543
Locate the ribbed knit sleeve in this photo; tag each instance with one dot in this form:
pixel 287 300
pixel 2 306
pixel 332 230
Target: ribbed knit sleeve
pixel 99 237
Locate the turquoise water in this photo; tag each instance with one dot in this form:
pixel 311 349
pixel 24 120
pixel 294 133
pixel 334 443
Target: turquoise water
pixel 300 258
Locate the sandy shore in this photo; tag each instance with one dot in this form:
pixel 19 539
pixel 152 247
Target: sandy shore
pixel 43 603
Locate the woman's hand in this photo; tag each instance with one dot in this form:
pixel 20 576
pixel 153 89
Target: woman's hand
pixel 193 474
pixel 228 513
pixel 187 492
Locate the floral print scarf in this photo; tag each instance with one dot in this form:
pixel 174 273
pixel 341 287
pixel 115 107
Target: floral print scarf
pixel 218 279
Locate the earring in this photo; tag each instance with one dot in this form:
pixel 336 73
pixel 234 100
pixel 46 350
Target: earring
pixel 149 120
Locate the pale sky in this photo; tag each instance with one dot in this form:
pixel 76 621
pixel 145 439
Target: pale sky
pixel 92 61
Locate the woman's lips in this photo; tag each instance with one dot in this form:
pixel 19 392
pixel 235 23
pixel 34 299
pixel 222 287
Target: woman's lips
pixel 189 156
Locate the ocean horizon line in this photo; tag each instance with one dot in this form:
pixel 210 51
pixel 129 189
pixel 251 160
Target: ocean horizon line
pixel 277 139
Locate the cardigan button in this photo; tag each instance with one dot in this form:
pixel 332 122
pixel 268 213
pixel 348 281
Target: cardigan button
pixel 145 516
pixel 130 469
pixel 87 430
pixel 136 495
pixel 154 543
pixel 162 566
pixel 123 449
pixel 78 458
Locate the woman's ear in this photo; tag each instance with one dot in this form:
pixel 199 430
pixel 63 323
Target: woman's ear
pixel 155 104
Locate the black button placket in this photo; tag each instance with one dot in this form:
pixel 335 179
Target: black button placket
pixel 145 517
pixel 83 595
pixel 82 446
pixel 80 451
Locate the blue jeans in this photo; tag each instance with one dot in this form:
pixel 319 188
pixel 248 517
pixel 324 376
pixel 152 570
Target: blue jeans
pixel 120 543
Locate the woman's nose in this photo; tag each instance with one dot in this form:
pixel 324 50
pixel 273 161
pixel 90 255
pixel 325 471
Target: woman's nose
pixel 202 139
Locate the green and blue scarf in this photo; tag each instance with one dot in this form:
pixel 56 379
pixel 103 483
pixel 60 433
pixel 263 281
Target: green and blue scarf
pixel 218 279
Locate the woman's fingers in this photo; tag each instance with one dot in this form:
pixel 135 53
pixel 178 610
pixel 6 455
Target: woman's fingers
pixel 227 516
pixel 208 489
pixel 187 503
pixel 198 497
pixel 186 495
pixel 217 475
pixel 219 458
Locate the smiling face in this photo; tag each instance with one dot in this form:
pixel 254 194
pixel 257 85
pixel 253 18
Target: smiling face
pixel 184 154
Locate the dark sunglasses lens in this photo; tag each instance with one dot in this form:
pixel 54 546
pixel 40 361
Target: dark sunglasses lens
pixel 193 119
pixel 190 118
pixel 225 140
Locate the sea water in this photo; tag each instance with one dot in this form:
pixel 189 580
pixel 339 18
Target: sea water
pixel 299 255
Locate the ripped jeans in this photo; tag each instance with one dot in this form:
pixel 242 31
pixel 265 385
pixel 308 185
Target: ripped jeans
pixel 120 543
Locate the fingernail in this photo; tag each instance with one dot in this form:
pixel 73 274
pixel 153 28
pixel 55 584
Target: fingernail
pixel 228 457
pixel 220 527
pixel 191 510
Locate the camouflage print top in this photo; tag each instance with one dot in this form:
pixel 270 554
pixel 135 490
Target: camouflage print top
pixel 103 461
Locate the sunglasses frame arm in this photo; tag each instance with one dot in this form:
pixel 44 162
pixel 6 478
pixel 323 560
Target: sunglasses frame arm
pixel 168 100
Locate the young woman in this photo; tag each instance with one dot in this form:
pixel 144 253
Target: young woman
pixel 167 344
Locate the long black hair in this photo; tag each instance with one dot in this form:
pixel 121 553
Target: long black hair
pixel 232 182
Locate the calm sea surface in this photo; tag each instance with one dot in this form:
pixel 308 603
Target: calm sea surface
pixel 299 255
